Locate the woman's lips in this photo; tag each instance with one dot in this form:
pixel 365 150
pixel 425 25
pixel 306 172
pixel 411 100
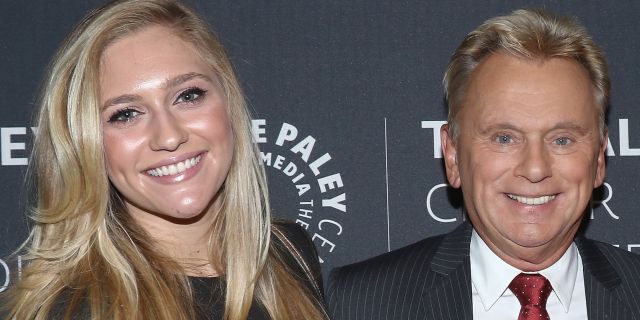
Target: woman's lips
pixel 178 171
pixel 175 168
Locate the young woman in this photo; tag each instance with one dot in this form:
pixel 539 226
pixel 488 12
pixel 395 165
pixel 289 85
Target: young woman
pixel 151 197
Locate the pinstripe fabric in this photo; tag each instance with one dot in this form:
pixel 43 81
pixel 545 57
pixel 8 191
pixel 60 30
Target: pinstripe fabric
pixel 611 281
pixel 426 280
pixel 431 279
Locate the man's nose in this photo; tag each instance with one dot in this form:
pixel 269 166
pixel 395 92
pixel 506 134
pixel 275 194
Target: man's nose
pixel 534 163
pixel 168 132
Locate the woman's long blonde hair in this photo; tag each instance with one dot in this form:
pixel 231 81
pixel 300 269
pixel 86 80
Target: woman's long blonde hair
pixel 85 251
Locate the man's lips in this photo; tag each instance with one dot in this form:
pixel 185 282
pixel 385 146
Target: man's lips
pixel 530 200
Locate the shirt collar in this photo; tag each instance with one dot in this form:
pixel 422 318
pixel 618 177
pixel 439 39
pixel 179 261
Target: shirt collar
pixel 491 276
pixel 562 275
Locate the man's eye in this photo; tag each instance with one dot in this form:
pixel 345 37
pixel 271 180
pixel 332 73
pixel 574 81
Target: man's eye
pixel 124 115
pixel 563 141
pixel 504 139
pixel 191 95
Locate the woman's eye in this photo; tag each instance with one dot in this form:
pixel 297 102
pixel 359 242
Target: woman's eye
pixel 124 115
pixel 191 95
pixel 504 139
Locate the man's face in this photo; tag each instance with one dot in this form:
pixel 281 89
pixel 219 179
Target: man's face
pixel 528 155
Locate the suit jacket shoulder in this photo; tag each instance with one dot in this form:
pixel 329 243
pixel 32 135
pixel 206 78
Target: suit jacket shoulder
pixel 421 281
pixel 419 252
pixel 612 280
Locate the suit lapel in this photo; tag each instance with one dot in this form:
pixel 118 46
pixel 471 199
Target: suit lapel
pixel 449 296
pixel 602 284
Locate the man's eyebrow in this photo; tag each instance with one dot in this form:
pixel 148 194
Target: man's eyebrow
pixel 566 125
pixel 572 126
pixel 169 83
pixel 499 126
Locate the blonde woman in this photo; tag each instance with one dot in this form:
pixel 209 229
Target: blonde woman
pixel 151 197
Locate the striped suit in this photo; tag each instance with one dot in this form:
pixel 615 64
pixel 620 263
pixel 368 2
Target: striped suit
pixel 431 279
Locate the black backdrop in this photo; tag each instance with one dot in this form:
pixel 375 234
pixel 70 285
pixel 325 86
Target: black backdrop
pixel 361 81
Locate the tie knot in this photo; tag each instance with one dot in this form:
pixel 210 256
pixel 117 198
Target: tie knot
pixel 532 290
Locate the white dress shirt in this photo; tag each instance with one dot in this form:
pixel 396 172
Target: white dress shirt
pixel 490 278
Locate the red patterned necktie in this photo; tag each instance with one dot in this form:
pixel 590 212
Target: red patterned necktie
pixel 532 290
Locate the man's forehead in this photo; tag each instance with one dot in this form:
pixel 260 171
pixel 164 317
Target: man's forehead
pixel 504 83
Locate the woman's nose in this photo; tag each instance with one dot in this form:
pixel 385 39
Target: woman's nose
pixel 168 133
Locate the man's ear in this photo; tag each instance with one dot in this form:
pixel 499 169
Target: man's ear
pixel 450 155
pixel 602 163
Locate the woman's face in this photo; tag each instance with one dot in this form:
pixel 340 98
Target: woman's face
pixel 167 134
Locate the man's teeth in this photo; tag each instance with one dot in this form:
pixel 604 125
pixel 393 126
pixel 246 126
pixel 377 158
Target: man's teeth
pixel 532 201
pixel 175 168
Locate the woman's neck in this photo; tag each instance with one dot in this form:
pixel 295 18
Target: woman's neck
pixel 186 243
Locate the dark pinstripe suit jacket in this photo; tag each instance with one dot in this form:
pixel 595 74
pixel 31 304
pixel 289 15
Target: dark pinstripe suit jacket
pixel 431 279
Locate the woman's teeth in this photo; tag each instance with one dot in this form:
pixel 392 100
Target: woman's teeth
pixel 175 168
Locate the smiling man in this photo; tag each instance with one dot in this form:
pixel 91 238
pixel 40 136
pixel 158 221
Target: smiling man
pixel 525 141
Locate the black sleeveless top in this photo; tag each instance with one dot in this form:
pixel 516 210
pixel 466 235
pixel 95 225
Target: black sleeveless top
pixel 209 293
pixel 209 299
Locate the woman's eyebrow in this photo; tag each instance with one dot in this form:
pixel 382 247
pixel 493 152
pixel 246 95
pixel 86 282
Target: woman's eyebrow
pixel 178 80
pixel 125 98
pixel 169 83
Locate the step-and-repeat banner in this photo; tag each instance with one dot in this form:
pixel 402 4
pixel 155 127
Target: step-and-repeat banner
pixel 347 101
